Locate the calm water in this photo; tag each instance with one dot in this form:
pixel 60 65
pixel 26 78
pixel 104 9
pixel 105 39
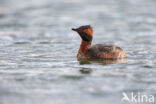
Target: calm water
pixel 38 63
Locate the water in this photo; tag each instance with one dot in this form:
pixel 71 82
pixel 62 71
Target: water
pixel 38 63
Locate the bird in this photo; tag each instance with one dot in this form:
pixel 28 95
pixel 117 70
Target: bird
pixel 97 51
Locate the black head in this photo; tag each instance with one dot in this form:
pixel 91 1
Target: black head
pixel 85 32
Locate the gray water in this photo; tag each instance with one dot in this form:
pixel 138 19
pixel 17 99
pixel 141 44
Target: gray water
pixel 38 63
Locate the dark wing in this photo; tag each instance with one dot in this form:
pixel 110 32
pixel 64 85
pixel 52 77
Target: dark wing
pixel 95 50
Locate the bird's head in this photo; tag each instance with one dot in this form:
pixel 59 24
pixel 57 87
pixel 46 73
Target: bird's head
pixel 85 32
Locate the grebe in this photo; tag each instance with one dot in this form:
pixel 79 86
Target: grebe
pixel 98 51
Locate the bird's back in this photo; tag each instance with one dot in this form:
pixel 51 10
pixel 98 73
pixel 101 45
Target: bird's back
pixel 103 51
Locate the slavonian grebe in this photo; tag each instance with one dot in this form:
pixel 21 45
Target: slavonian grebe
pixel 98 51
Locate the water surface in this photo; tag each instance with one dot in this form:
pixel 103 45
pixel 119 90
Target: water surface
pixel 38 63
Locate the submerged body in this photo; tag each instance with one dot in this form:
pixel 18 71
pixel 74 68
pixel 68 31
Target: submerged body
pixel 98 51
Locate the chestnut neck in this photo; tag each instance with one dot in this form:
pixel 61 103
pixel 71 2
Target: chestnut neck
pixel 85 45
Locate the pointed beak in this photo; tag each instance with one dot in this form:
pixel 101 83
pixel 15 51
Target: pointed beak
pixel 75 29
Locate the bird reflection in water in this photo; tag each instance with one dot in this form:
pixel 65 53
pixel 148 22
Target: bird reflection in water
pixel 102 62
pixel 86 71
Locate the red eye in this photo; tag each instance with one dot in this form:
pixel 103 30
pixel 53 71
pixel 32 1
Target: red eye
pixel 81 31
